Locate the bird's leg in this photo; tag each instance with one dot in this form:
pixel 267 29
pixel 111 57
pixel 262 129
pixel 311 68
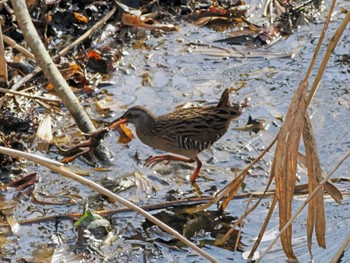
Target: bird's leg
pixel 195 173
pixel 153 160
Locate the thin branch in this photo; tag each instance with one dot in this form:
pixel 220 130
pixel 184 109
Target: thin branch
pixel 111 212
pixel 3 64
pixel 12 43
pixel 7 91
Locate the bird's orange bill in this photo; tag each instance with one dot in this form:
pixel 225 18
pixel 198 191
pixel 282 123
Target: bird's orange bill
pixel 125 133
pixel 68 159
pixel 117 123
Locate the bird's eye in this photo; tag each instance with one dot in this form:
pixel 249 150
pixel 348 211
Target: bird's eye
pixel 131 115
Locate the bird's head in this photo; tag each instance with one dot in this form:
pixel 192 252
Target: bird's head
pixel 138 116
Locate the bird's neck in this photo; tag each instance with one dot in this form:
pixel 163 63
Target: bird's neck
pixel 147 123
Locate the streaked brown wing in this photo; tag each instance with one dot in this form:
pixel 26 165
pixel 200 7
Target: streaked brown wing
pixel 193 128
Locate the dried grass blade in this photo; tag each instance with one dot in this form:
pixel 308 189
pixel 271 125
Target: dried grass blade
pixel 333 192
pixel 285 163
pixel 232 193
pixel 224 193
pixel 316 217
pixel 227 235
pixel 241 224
pixel 263 228
pixel 320 227
pixel 331 189
pixel 330 48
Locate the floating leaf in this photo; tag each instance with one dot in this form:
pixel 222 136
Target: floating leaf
pixel 44 132
pixel 80 18
pixel 131 20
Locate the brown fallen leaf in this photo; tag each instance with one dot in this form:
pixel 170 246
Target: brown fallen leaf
pixel 80 18
pixel 125 133
pixel 131 20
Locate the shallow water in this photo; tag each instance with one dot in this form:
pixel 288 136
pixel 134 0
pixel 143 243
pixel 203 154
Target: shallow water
pixel 178 76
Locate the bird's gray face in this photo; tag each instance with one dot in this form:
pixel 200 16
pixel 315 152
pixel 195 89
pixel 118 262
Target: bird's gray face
pixel 138 116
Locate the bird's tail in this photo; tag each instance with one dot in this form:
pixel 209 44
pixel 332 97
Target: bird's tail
pixel 225 101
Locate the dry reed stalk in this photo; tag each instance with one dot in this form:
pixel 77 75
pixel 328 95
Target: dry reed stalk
pixel 286 156
pixel 3 64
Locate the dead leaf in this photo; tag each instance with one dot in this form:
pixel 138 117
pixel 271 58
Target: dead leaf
pixel 131 20
pixel 333 192
pixel 253 125
pixel 44 132
pixel 285 163
pixel 128 9
pixel 80 18
pixel 316 217
pixel 328 186
pixel 49 87
pixel 207 19
pixel 125 133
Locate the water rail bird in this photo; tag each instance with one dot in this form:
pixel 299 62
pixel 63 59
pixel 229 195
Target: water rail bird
pixel 184 132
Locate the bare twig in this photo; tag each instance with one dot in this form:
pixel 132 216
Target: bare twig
pixel 12 43
pixel 7 91
pixel 111 212
pixel 3 64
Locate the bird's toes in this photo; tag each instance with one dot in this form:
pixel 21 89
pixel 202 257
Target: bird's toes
pixel 152 161
pixel 147 164
pixel 149 159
